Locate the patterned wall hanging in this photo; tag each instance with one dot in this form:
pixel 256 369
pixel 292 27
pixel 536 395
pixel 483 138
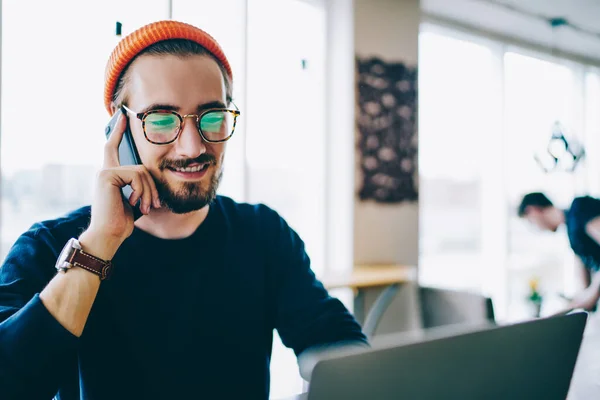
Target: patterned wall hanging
pixel 387 125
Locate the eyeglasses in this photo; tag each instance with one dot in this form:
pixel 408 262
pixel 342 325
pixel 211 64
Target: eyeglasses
pixel 215 125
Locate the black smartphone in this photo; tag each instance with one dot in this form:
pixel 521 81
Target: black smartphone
pixel 128 155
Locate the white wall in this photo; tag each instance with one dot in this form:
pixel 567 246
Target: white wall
pixel 388 28
pixel 386 233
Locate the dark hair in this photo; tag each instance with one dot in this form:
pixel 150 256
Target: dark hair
pixel 534 199
pixel 176 47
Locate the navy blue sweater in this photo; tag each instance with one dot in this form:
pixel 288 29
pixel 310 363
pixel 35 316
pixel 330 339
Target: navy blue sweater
pixel 583 209
pixel 187 318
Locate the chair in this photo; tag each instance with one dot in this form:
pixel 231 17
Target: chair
pixel 441 307
pixel 396 305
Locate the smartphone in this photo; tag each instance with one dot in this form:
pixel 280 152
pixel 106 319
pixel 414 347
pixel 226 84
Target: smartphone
pixel 128 155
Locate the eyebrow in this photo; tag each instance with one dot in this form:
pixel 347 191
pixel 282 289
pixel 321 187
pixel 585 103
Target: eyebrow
pixel 170 107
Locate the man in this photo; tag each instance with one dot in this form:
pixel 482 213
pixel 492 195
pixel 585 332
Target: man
pixel 582 221
pixel 195 286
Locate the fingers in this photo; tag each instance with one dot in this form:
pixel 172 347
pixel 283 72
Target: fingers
pixel 136 181
pixel 144 189
pixel 155 199
pixel 117 126
pixel 147 195
pixel 142 184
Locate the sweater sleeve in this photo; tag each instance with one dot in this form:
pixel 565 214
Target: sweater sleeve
pixel 305 316
pixel 585 209
pixel 35 349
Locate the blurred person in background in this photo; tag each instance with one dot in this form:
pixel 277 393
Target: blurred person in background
pixel 582 221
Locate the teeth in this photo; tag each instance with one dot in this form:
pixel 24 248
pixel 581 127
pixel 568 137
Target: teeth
pixel 190 169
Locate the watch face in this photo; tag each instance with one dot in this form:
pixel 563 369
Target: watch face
pixel 64 254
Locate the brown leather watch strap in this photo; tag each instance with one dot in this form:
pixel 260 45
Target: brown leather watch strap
pixel 81 259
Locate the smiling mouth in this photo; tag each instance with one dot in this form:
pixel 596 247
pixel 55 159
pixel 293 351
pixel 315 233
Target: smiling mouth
pixel 196 168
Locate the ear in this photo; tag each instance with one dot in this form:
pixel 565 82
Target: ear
pixel 113 108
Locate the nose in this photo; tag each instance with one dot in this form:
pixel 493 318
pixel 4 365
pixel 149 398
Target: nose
pixel 190 144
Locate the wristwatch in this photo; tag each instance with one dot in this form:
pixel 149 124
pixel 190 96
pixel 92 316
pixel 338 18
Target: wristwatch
pixel 73 256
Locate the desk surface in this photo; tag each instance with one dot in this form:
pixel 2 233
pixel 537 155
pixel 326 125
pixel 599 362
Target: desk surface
pixel 365 276
pixel 585 383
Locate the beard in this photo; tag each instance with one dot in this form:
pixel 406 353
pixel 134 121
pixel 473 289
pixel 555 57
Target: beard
pixel 190 196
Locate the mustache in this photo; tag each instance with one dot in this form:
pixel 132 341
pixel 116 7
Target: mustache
pixel 186 162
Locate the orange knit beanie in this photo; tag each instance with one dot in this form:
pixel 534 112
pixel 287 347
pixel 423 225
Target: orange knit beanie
pixel 147 35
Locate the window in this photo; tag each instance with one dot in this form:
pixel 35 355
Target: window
pixel 286 117
pixel 486 109
pixel 52 103
pixel 537 94
pixel 592 127
pixel 455 106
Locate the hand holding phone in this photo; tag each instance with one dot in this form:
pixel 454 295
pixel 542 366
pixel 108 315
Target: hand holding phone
pixel 124 187
pixel 128 155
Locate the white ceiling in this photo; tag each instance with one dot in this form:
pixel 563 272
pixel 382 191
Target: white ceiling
pixel 491 16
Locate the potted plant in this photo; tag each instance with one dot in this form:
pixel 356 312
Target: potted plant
pixel 535 298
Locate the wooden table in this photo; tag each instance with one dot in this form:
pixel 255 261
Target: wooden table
pixel 367 277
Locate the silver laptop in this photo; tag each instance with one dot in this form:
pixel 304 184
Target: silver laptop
pixel 529 360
